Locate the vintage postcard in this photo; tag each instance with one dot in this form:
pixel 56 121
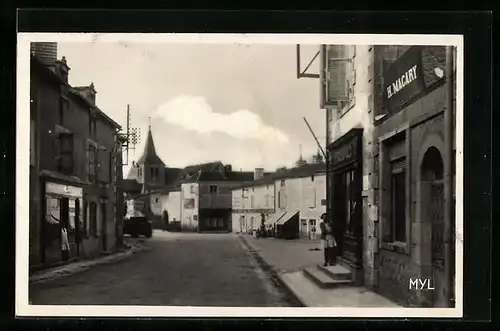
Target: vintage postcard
pixel 239 175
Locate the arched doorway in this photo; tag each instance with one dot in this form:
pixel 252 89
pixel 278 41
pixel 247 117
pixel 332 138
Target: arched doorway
pixel 165 220
pixel 432 210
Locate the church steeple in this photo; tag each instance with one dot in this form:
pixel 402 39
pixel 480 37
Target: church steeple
pixel 149 156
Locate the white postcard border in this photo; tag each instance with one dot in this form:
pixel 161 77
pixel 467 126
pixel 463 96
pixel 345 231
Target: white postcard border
pixel 22 176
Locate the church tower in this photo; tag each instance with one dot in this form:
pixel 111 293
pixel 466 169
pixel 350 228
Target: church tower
pixel 150 168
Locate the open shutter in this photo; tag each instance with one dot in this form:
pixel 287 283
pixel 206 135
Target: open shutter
pixel 336 74
pixel 66 153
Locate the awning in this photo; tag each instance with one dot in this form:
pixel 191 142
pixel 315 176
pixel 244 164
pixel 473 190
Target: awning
pixel 286 217
pixel 271 220
pixel 278 217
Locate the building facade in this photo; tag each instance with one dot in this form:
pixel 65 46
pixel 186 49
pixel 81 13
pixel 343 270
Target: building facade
pixel 291 201
pixel 74 176
pixel 386 109
pixel 411 157
pixel 249 202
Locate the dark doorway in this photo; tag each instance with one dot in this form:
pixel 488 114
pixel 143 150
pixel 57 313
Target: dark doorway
pixel 104 236
pixel 432 186
pixel 165 220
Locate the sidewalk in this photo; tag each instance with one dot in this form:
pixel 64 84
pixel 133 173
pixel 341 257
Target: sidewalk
pixel 288 258
pixel 131 248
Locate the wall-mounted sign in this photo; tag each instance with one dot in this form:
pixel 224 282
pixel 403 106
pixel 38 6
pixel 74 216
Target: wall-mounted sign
pixel 64 190
pixel 404 79
pixel 345 153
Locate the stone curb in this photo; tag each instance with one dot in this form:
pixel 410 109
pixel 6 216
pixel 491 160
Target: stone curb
pixel 80 266
pixel 274 272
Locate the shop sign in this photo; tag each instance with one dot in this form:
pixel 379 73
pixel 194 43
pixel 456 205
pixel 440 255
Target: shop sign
pixel 64 190
pixel 345 153
pixel 404 79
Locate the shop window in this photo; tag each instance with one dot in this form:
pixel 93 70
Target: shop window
pixel 91 162
pixel 65 153
pixel 350 194
pixel 213 188
pixel 398 201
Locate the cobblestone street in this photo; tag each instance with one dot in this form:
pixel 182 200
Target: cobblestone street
pixel 178 269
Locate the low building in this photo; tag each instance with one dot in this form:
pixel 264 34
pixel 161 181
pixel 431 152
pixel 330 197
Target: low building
pixel 285 198
pixel 250 201
pixel 75 160
pixel 207 200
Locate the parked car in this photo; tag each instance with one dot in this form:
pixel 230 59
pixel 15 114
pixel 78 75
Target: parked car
pixel 138 225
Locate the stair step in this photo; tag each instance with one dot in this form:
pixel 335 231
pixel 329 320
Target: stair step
pixel 336 272
pixel 323 280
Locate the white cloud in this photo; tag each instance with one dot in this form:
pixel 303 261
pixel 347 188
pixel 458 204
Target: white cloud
pixel 193 113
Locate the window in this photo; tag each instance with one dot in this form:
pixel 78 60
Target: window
pixel 312 203
pixel 350 194
pixel 252 201
pixel 281 200
pixel 398 202
pixel 312 178
pixel 63 109
pixel 92 126
pixel 65 153
pixel 192 189
pixel 213 188
pixel 243 191
pixel 340 76
pixel 110 169
pixel 91 162
pixel 282 183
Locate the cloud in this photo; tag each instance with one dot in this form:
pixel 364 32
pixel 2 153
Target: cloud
pixel 193 113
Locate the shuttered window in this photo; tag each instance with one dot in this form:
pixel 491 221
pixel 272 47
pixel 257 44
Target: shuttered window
pixel 65 153
pixel 339 76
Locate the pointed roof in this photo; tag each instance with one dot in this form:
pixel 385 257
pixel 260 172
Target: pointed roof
pixel 149 155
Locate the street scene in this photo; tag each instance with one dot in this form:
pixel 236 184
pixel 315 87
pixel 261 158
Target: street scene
pixel 242 174
pixel 172 270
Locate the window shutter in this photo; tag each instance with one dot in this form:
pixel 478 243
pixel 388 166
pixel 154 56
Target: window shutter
pixel 336 75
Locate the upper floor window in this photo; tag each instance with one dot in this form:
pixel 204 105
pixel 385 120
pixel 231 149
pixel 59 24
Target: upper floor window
pixel 213 189
pixel 65 153
pixel 339 76
pixel 63 109
pixel 91 162
pixel 92 126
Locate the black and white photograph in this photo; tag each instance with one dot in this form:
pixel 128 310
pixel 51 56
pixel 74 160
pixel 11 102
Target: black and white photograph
pixel 239 175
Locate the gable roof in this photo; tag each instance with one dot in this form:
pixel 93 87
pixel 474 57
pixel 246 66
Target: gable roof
pixel 149 155
pixel 298 172
pixel 209 166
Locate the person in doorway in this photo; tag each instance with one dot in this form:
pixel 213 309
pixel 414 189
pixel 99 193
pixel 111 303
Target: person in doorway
pixel 313 233
pixel 323 229
pixel 64 244
pixel 330 246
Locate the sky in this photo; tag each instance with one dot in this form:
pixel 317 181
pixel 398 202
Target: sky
pixel 239 104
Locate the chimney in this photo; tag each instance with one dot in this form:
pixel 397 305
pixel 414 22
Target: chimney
pixel 45 52
pixel 258 173
pixel 88 92
pixel 62 69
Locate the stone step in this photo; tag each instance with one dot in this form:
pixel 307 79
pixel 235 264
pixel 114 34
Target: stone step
pixel 323 280
pixel 336 272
